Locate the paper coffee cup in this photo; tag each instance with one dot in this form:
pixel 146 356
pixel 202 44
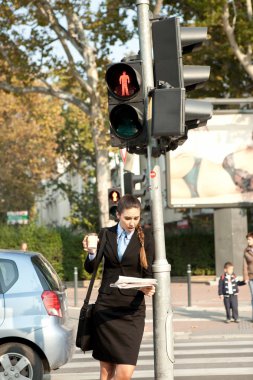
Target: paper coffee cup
pixel 92 241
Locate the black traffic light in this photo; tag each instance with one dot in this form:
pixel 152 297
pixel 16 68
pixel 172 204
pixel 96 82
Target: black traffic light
pixel 114 195
pixel 170 42
pixel 130 180
pixel 126 105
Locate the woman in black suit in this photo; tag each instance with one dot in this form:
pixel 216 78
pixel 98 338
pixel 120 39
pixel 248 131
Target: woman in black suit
pixel 120 314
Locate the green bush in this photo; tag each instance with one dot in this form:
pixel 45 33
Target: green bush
pixel 63 249
pixel 195 248
pixel 73 254
pixel 61 246
pixel 38 238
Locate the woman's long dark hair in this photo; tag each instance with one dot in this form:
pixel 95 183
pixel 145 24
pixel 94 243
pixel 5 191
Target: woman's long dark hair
pixel 126 202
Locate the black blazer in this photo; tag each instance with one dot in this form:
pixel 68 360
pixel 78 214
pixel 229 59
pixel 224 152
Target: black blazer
pixel 130 263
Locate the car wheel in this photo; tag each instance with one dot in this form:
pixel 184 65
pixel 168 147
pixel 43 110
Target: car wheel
pixel 20 361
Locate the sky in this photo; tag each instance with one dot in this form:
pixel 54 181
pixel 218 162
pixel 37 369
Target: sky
pixel 119 51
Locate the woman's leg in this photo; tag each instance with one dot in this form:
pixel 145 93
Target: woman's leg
pixel 107 371
pixel 251 291
pixel 124 372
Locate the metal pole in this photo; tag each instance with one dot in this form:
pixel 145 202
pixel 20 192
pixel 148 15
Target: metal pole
pixel 162 312
pixel 121 169
pixel 75 285
pixel 189 272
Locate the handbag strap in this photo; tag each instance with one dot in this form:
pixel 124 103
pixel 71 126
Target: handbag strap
pixel 98 260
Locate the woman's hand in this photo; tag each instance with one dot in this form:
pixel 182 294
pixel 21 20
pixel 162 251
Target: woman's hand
pixel 148 290
pixel 86 245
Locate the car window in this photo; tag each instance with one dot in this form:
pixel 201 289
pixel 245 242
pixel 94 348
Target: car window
pixel 46 273
pixel 8 274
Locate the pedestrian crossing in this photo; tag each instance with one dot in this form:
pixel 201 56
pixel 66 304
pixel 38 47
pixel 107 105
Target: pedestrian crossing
pixel 207 358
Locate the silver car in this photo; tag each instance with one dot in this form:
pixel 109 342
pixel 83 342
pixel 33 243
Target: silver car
pixel 35 333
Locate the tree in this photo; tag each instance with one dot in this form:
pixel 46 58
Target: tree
pixel 229 49
pixel 45 40
pixel 28 148
pixel 76 148
pixel 241 43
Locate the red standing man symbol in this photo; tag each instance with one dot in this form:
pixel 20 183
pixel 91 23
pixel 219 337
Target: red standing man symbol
pixel 124 80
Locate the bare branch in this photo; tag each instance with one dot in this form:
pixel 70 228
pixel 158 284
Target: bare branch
pixel 244 59
pixel 235 14
pixel 46 91
pixel 43 6
pixel 88 52
pixel 249 13
pixel 56 26
pixel 249 9
pixel 158 7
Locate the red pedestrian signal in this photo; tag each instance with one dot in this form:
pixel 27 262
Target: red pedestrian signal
pixel 126 106
pixel 114 195
pixel 123 81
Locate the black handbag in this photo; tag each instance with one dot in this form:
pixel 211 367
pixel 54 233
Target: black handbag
pixel 85 324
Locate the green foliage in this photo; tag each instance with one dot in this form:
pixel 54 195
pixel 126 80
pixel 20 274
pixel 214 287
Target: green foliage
pixel 84 209
pixel 38 238
pixel 228 77
pixel 195 248
pixel 62 247
pixel 75 145
pixel 73 254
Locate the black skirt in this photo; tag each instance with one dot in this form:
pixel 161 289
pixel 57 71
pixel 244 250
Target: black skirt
pixel 118 328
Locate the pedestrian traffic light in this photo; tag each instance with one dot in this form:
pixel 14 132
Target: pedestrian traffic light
pixel 114 195
pixel 130 180
pixel 173 115
pixel 126 106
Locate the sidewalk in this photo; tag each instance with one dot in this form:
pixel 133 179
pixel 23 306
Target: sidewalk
pixel 204 318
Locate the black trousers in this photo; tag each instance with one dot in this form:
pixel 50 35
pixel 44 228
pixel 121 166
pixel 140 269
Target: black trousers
pixel 231 302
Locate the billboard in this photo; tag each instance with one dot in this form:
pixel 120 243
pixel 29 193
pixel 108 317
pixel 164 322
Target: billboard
pixel 214 167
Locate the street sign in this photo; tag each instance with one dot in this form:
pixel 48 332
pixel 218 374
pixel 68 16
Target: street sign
pixel 17 217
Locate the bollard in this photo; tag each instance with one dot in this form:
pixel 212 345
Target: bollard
pixel 75 285
pixel 189 272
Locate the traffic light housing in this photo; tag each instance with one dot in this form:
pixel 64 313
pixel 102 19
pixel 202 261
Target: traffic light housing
pixel 114 195
pixel 126 106
pixel 130 180
pixel 170 42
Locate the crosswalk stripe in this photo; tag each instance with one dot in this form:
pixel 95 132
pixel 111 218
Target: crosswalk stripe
pixel 213 371
pixel 203 351
pixel 193 359
pixel 215 343
pixel 212 360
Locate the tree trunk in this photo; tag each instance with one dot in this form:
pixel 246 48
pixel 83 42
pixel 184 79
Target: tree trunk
pixel 102 162
pixel 103 178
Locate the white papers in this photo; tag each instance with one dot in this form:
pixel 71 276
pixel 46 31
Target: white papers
pixel 125 282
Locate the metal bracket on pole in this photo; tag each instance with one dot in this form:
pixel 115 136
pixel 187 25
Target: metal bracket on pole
pixel 162 312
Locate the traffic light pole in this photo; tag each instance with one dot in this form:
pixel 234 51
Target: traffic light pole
pixel 162 311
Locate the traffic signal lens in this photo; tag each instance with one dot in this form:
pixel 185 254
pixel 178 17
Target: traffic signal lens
pixel 125 121
pixel 114 196
pixel 122 81
pixel 113 211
